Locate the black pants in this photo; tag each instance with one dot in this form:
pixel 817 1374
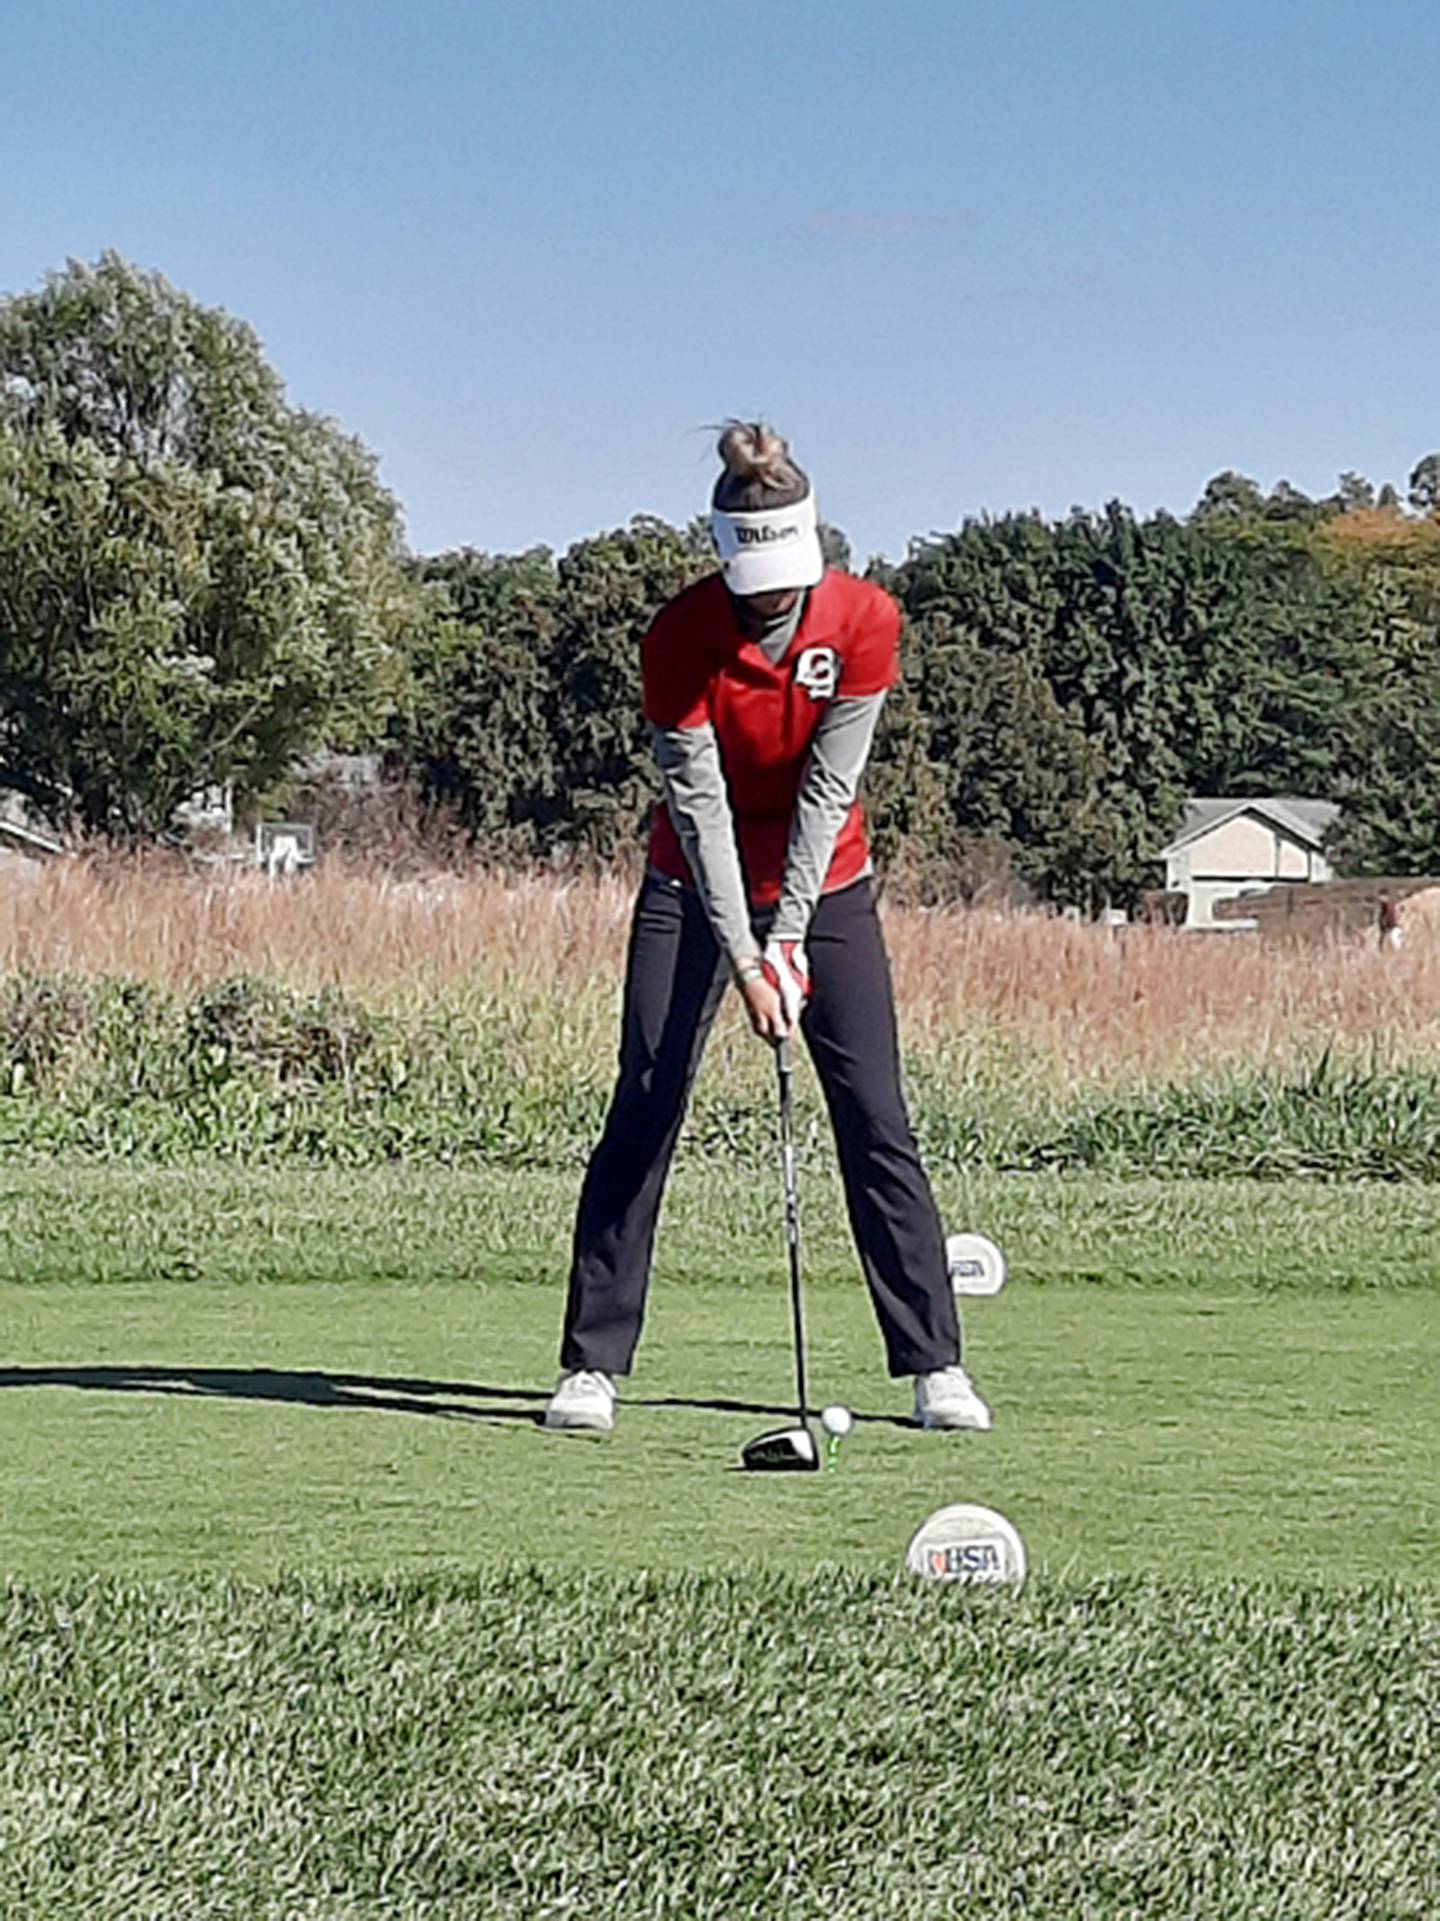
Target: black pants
pixel 675 976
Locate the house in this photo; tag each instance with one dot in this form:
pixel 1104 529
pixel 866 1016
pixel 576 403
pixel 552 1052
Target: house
pixel 24 830
pixel 1229 847
pixel 24 836
pixel 209 809
pixel 206 822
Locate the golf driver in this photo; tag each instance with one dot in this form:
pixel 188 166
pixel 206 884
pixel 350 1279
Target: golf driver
pixel 788 1448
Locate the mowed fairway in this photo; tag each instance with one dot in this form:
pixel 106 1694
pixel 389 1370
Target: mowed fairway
pixel 342 1372
pixel 305 1617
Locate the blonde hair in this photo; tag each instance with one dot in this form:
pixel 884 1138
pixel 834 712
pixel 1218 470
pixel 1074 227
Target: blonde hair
pixel 759 472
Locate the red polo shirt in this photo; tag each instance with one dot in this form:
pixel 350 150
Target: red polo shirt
pixel 697 666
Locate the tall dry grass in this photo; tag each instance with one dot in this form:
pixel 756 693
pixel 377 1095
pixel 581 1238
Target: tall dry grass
pixel 1096 1003
pixel 1076 1003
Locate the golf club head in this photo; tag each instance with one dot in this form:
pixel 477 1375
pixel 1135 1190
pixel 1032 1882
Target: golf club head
pixel 786 1450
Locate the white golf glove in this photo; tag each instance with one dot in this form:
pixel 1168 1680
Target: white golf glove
pixel 789 972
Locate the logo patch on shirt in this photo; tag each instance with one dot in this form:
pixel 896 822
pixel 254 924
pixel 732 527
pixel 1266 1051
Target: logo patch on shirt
pixel 818 672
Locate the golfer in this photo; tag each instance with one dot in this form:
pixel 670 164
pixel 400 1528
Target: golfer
pixel 763 684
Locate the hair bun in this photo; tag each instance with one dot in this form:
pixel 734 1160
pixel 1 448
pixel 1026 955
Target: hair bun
pixel 753 451
pixel 758 471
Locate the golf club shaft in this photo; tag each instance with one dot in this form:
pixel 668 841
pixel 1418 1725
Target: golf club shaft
pixel 792 1222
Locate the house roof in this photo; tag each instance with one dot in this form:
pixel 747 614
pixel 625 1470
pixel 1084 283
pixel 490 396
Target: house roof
pixel 1307 821
pixel 14 833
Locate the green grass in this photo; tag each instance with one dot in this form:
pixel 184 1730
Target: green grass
pixel 342 1371
pixel 85 1221
pixel 306 1618
pixel 253 1070
pixel 717 1746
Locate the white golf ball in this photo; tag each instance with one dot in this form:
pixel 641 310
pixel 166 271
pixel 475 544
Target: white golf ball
pixel 837 1420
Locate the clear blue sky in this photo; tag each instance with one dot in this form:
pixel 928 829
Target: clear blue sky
pixel 969 256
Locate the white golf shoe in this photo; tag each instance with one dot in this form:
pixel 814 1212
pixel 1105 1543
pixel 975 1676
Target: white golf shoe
pixel 583 1402
pixel 946 1397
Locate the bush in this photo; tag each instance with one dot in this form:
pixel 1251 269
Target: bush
pixel 249 1068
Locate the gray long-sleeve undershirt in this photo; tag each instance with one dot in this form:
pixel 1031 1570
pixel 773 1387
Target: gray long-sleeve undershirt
pixel 689 762
pixel 699 803
pixel 838 753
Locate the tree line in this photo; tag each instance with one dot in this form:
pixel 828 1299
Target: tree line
pixel 200 582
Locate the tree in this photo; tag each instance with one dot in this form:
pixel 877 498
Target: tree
pixel 526 709
pixel 475 731
pixel 1018 772
pixel 835 546
pixel 1425 485
pixel 1231 494
pixel 1354 493
pixel 904 788
pixel 610 589
pixel 1077 680
pixel 1288 502
pixel 198 581
pixel 1387 752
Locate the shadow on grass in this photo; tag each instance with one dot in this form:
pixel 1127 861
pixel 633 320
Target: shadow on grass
pixel 312 1387
pixel 309 1387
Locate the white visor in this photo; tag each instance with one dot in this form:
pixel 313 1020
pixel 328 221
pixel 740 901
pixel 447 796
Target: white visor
pixel 769 552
